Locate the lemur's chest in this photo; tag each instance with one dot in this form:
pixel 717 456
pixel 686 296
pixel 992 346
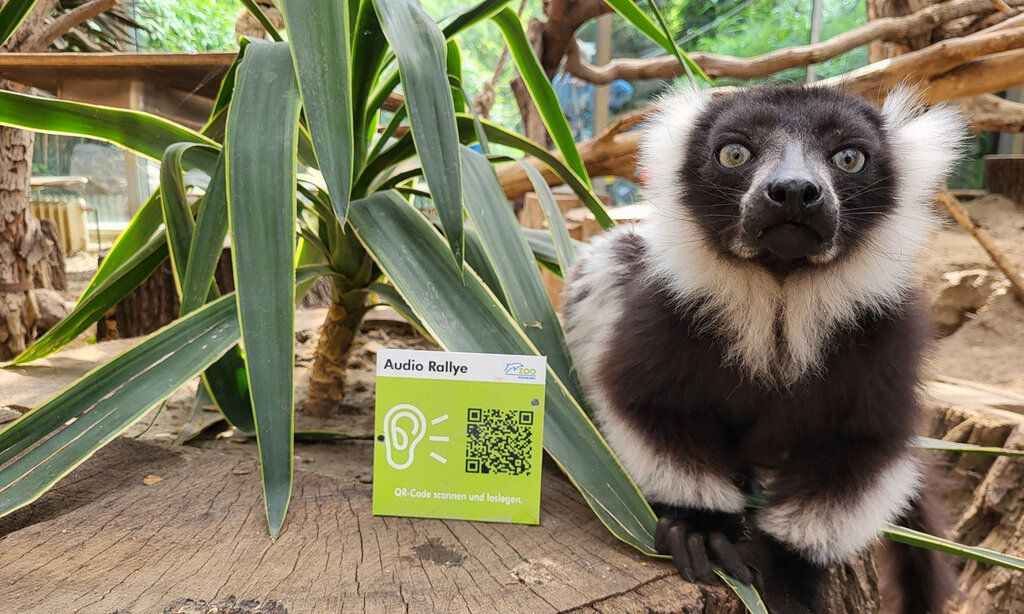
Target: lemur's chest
pixel 673 366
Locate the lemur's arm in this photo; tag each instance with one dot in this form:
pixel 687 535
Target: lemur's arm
pixel 834 497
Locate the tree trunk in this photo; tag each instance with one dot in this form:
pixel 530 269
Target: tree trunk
pixel 155 303
pixel 327 379
pixel 28 258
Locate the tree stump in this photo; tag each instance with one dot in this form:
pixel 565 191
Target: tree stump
pixel 1006 176
pixel 985 490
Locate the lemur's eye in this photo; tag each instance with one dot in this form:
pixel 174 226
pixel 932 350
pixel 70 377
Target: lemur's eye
pixel 733 155
pixel 850 160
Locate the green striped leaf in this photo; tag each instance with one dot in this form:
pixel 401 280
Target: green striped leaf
pixel 471 16
pixel 369 48
pixel 543 248
pixel 461 314
pixel 76 422
pixel 564 247
pixel 318 32
pixel 918 539
pixel 540 90
pixel 456 24
pixel 420 49
pixel 88 414
pixel 11 16
pixel 508 138
pixel 477 259
pixel 404 149
pixel 658 33
pixel 747 594
pixel 928 443
pixel 226 379
pixel 454 60
pixel 142 227
pixel 138 132
pixel 207 243
pixel 514 264
pixel 260 149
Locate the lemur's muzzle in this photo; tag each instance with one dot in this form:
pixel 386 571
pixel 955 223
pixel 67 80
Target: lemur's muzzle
pixel 793 217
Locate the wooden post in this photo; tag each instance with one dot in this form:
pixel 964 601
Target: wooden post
pixel 1006 176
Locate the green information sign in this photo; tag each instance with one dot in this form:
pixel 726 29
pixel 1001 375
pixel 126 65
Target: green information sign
pixel 458 436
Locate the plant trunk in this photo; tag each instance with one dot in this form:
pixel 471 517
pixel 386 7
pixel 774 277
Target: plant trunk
pixel 327 380
pixel 29 259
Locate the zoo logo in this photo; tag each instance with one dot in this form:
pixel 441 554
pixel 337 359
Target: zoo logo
pixel 520 371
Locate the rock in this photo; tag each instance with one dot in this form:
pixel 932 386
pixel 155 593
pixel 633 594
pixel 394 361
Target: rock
pixel 51 308
pixel 8 415
pixel 962 293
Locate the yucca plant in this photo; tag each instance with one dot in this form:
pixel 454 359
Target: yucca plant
pixel 466 275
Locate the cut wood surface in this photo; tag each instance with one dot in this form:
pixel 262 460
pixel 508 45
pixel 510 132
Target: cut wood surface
pixel 103 541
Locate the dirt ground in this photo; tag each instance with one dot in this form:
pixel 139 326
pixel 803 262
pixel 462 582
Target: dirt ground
pixel 989 345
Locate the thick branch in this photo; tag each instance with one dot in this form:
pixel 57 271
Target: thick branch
pixel 942 70
pixel 888 28
pixel 564 17
pixel 992 113
pixel 994 73
pixel 65 23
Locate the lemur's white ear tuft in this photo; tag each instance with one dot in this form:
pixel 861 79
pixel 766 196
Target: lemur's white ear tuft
pixel 663 147
pixel 927 142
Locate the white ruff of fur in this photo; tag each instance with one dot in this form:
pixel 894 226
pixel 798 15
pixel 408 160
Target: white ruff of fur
pixel 828 532
pixel 589 327
pixel 744 299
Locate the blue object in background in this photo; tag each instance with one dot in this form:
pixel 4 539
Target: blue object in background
pixel 577 100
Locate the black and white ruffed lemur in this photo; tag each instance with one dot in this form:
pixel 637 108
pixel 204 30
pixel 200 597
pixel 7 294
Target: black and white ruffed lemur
pixel 761 333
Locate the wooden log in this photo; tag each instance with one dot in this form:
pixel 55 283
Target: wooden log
pixel 1005 174
pixel 196 540
pixel 198 537
pixel 984 490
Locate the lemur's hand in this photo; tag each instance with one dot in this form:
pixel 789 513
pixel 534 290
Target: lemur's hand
pixel 699 540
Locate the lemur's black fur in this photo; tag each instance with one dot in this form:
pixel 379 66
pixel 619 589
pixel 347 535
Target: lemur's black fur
pixel 681 395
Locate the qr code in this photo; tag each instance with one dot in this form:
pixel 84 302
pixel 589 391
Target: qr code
pixel 499 441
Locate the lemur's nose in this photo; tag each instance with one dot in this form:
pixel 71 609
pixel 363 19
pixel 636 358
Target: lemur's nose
pixel 796 194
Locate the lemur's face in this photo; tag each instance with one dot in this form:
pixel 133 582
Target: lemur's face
pixel 788 176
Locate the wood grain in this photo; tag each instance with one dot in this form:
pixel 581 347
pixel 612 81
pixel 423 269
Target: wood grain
pixel 196 541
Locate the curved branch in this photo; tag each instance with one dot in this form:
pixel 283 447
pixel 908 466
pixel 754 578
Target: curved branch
pixel 886 28
pixel 65 23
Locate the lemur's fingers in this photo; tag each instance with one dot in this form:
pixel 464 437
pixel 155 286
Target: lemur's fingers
pixel 661 540
pixel 697 547
pixel 729 558
pixel 680 556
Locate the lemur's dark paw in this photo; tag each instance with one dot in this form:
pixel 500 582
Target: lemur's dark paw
pixel 696 551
